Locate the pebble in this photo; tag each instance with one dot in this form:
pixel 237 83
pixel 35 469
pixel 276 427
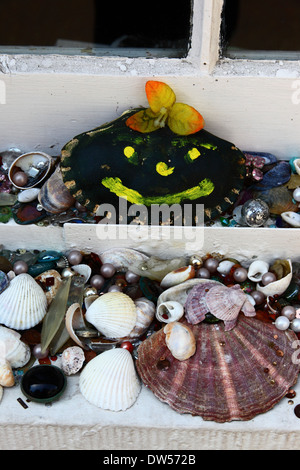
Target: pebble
pixel 28 195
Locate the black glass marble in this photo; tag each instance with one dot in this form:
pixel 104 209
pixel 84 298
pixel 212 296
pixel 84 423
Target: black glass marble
pixel 43 383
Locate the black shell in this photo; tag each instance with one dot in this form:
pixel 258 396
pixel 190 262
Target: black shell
pixel 94 159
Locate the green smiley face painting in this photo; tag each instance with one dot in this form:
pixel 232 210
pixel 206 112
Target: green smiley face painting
pixel 116 161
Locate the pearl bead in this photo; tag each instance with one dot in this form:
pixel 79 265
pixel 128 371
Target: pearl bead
pixel 97 281
pixel 131 277
pixel 67 272
pixel 282 323
pixel 203 273
pixel 107 270
pixel 75 257
pixel 114 288
pixel 240 274
pixel 211 264
pixel 296 194
pixel 20 178
pixel 295 325
pixel 37 352
pixel 289 311
pixel 20 267
pixel 258 296
pixel 127 345
pixel 268 278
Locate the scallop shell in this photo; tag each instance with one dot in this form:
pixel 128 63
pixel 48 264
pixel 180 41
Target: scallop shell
pixel 180 340
pixel 277 287
pixel 231 376
pixel 113 314
pixel 169 311
pixel 145 311
pixel 110 381
pixel 178 276
pixel 72 360
pixel 54 196
pixel 50 290
pixel 257 269
pixel 195 305
pixel 15 351
pixel 23 304
pixel 225 303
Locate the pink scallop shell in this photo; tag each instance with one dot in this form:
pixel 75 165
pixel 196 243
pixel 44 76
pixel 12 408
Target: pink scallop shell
pixel 233 375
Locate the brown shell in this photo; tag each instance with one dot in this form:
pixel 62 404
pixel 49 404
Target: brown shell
pixel 234 375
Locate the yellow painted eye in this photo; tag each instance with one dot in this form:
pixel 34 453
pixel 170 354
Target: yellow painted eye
pixel 131 155
pixel 192 155
pixel 129 151
pixel 163 169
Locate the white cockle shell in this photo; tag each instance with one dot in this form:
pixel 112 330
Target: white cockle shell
pixel 180 340
pixel 110 381
pixel 113 314
pixel 277 287
pixel 145 311
pixel 23 304
pixel 177 276
pixel 169 311
pixel 257 269
pixel 15 351
pixel 72 360
pixel 122 258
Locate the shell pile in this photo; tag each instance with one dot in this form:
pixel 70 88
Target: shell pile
pixel 192 340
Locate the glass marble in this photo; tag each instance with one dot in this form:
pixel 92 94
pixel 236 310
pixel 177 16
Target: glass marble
pixel 43 383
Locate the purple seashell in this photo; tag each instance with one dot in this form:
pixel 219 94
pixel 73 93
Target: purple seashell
pixel 195 305
pixel 269 158
pixel 4 281
pixel 277 176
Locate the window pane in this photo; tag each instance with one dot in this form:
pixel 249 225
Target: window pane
pixel 261 25
pixel 95 24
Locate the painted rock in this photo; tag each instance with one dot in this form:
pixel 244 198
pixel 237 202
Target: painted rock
pixel 114 161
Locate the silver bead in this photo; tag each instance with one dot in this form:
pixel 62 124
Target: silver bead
pixel 282 323
pixel 289 311
pixel 295 325
pixel 255 212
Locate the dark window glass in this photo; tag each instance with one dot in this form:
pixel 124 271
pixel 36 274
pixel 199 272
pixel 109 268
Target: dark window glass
pixel 96 24
pixel 261 25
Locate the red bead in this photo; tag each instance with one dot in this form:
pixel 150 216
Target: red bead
pixel 127 345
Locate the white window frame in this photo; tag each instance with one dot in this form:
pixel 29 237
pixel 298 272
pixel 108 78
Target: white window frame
pixel 48 98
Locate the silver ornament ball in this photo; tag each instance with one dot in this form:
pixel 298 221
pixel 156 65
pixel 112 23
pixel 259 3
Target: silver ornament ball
pixel 255 212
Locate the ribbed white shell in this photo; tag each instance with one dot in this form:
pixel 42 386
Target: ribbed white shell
pixel 113 314
pixel 110 381
pixel 23 304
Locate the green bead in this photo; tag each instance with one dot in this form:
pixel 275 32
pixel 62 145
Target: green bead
pixel 5 214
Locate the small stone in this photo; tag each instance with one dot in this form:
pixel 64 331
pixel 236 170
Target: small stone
pixel 28 195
